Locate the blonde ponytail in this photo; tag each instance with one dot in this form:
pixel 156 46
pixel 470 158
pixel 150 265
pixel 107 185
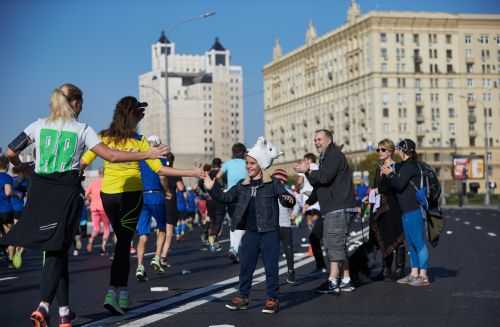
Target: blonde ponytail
pixel 60 99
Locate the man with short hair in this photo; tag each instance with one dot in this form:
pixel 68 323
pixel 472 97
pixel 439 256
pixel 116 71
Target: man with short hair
pixel 333 189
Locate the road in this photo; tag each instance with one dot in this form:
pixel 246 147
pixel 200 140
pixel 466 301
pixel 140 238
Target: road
pixel 465 290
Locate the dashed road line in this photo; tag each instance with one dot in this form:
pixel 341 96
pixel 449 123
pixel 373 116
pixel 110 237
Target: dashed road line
pixel 492 234
pixel 478 227
pixel 8 278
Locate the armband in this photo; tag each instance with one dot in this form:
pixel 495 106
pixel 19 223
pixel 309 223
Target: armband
pixel 20 143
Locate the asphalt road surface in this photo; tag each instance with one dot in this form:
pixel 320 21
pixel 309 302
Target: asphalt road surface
pixel 464 270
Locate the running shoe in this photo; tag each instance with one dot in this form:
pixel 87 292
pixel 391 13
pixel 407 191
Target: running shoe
pixel 420 281
pixel 40 317
pixel 156 264
pixel 407 279
pixel 111 304
pixel 65 321
pixel 164 263
pixel 238 303
pixel 102 253
pixel 17 260
pixel 123 300
pixel 328 287
pixel 290 278
pixel 76 253
pixel 271 306
pixel 233 257
pixel 140 273
pixel 346 287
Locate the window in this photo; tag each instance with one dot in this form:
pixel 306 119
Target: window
pixel 483 39
pixel 468 39
pixel 451 112
pixel 468 53
pixel 472 141
pixel 416 39
pixel 449 69
pixel 385 82
pixel 401 82
pixel 448 38
pixel 497 38
pixel 383 53
pixel 386 128
pixel 385 98
pixel 469 68
pixel 470 83
pixel 383 67
pixel 400 38
pixel 383 37
pixel 385 112
pixel 449 54
pixel 450 83
pixel 450 97
pixel 437 156
pixel 417 83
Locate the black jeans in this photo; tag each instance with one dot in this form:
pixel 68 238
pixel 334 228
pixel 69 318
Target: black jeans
pixel 55 278
pixel 253 244
pixel 216 211
pixel 287 242
pixel 123 210
pixel 315 241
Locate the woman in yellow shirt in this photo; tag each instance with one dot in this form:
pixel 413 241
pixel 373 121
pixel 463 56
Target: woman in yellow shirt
pixel 121 192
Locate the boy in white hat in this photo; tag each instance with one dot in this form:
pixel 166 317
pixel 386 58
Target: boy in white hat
pixel 256 211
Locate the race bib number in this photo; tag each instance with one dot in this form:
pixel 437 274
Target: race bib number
pixel 56 150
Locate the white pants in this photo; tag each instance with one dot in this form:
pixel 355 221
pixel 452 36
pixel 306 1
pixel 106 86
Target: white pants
pixel 235 239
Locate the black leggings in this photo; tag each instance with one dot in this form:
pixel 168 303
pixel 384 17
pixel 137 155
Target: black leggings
pixel 55 278
pixel 123 210
pixel 216 211
pixel 315 241
pixel 287 242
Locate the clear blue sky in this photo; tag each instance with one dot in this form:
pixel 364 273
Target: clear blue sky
pixel 103 46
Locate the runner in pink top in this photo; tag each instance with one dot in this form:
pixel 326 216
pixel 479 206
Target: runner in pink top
pixel 93 194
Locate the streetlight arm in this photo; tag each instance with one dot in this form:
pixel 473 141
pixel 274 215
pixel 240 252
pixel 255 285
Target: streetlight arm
pixel 199 17
pixel 155 91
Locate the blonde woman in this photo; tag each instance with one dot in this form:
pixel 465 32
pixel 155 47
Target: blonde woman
pixel 55 197
pixel 386 220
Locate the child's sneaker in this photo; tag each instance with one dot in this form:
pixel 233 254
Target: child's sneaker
pixel 346 286
pixel 238 303
pixel 123 300
pixel 156 264
pixel 140 273
pixel 40 317
pixel 271 306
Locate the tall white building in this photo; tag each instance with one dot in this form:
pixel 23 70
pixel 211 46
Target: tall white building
pixel 205 102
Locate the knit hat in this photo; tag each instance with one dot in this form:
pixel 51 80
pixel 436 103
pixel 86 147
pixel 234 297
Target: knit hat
pixel 280 174
pixel 264 152
pixel 407 146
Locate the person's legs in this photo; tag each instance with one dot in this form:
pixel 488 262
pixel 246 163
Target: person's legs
pixel 315 241
pixel 285 234
pixel 415 224
pixel 105 229
pixel 250 248
pixel 270 249
pixel 407 226
pixel 159 212
pixel 96 219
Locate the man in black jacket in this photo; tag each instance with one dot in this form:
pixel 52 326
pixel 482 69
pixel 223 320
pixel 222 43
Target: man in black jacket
pixel 333 188
pixel 256 211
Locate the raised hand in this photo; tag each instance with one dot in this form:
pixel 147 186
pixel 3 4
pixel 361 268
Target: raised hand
pixel 159 151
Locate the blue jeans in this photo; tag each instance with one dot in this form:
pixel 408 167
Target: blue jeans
pixel 414 230
pixel 253 244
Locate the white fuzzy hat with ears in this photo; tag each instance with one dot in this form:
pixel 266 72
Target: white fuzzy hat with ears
pixel 264 152
pixel 154 140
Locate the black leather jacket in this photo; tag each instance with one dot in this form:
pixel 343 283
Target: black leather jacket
pixel 266 195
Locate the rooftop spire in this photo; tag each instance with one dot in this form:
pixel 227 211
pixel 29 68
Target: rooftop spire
pixel 277 53
pixel 353 13
pixel 217 46
pixel 163 38
pixel 311 33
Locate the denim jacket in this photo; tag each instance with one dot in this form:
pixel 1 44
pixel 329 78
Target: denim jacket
pixel 266 204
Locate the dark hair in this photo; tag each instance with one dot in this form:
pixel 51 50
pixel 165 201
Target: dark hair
pixel 207 167
pixel 408 147
pixel 4 162
pixel 216 163
pixel 170 158
pixel 310 156
pixel 239 151
pixel 327 132
pixel 126 116
pixel 18 170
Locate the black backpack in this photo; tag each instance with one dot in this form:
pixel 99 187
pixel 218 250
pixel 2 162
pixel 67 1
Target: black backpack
pixel 431 183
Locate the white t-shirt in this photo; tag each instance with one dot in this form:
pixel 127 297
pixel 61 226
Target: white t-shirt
pixel 60 144
pixel 307 188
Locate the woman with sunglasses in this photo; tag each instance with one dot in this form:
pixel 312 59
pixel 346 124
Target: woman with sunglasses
pixel 122 192
pixel 403 183
pixel 385 222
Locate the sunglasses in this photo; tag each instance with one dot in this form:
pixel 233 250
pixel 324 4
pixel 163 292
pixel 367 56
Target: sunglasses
pixel 381 150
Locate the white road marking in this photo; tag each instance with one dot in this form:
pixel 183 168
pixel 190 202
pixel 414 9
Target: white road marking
pixel 467 222
pixel 191 305
pixel 457 219
pixel 149 254
pixel 449 232
pixel 478 227
pixel 492 234
pixel 8 278
pixel 183 297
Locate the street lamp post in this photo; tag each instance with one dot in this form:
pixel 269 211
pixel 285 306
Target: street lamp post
pixel 486 155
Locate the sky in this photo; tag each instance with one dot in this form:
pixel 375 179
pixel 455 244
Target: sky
pixel 103 46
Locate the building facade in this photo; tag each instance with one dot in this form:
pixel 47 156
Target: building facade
pixel 432 77
pixel 200 113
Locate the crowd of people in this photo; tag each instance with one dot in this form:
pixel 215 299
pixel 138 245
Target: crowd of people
pixel 139 195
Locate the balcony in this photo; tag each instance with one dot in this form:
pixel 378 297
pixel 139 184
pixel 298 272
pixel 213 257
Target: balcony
pixel 471 103
pixel 472 133
pixel 421 132
pixel 420 119
pixel 419 102
pixel 472 119
pixel 417 59
pixel 469 60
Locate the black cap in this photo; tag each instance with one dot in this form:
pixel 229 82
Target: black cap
pixel 141 104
